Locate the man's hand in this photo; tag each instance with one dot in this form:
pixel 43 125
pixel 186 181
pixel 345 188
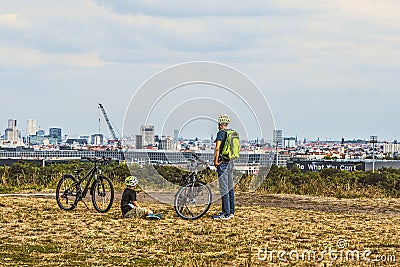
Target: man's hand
pixel 217 163
pixel 216 154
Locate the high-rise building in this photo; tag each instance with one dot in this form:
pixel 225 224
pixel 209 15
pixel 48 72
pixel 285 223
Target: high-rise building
pixel 31 127
pixel 277 138
pixel 147 133
pixel 12 124
pixel 55 133
pixel 176 135
pixel 138 141
pixel 166 143
pixel 97 139
pixel 11 133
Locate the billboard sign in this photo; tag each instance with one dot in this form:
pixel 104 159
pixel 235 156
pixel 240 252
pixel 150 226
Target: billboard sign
pixel 319 165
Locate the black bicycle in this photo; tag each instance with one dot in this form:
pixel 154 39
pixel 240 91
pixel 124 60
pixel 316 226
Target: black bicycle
pixel 69 189
pixel 193 198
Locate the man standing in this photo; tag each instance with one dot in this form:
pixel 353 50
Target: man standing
pixel 225 172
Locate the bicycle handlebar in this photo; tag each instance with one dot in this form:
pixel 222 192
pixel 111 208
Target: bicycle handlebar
pixel 199 159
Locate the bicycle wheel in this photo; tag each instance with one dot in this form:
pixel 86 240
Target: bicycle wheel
pixel 66 192
pixel 192 200
pixel 102 194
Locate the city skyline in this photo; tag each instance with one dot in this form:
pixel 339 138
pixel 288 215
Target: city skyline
pixel 278 135
pixel 327 69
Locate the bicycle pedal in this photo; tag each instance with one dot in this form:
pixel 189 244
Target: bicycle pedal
pixel 78 198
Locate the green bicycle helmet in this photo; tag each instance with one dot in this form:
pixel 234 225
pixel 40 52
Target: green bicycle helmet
pixel 224 119
pixel 131 181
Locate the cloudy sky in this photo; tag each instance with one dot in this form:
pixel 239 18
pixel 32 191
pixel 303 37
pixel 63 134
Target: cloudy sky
pixel 327 68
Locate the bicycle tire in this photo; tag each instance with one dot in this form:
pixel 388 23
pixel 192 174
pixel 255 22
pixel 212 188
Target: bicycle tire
pixel 102 194
pixel 192 200
pixel 66 192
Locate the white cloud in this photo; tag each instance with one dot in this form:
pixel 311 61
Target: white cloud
pixel 296 29
pixel 206 8
pixel 30 58
pixel 12 20
pixel 370 9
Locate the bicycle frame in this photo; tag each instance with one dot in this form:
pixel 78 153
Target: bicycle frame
pixel 187 205
pixel 192 177
pixel 70 188
pixel 90 177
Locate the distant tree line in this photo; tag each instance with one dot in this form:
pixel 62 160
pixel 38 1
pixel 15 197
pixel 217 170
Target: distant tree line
pixel 30 176
pixel 328 182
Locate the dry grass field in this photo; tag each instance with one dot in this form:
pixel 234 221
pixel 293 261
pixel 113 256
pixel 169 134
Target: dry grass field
pixel 35 232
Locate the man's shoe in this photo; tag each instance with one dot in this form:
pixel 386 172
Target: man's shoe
pixel 218 216
pixel 231 216
pixel 226 217
pixel 221 216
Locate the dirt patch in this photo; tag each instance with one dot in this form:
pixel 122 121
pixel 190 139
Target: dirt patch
pixel 384 206
pixel 387 206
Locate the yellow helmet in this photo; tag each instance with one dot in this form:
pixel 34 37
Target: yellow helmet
pixel 224 119
pixel 131 181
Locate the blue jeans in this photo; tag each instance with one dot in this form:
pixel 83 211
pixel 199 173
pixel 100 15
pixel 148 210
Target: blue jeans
pixel 225 180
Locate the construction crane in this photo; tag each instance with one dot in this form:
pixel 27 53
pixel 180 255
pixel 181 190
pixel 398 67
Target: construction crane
pixel 114 136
